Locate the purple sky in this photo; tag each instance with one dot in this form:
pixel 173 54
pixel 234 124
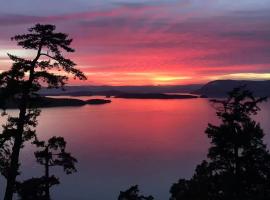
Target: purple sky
pixel 151 42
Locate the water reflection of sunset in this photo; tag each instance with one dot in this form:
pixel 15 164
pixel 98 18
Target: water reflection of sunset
pixel 147 142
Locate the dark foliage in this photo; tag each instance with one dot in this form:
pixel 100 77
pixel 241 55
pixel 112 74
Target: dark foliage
pixel 35 188
pixel 21 84
pixel 51 154
pixel 133 194
pixel 238 166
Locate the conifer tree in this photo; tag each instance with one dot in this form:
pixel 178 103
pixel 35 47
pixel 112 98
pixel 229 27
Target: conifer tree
pixel 238 165
pixel 50 154
pixel 21 84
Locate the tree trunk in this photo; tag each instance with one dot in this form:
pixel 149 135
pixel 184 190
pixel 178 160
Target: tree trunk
pixel 237 188
pixel 47 186
pixel 14 165
pixel 18 139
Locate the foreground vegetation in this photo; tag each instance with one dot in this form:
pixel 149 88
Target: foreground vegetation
pixel 21 83
pixel 238 162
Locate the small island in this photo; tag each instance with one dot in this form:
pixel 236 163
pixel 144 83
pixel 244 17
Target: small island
pixel 98 101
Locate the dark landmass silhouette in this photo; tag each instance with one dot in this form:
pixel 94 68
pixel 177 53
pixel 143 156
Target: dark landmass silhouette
pixel 48 102
pixel 97 101
pixel 116 90
pixel 220 88
pixel 59 102
pixel 155 96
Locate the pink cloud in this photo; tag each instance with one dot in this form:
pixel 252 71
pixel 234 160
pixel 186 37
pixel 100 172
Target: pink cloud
pixel 152 39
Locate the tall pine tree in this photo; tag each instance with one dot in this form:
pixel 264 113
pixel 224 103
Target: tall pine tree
pixel 21 84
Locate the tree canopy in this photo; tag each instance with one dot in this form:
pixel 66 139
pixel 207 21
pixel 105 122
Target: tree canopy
pixel 48 68
pixel 133 193
pixel 238 164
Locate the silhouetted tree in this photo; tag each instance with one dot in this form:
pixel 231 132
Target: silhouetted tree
pixel 52 154
pixel 22 82
pixel 202 185
pixel 5 153
pixel 239 162
pixel 133 194
pixel 7 138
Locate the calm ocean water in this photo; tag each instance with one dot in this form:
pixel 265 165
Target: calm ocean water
pixel 151 143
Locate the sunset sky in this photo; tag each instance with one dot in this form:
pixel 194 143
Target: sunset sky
pixel 151 42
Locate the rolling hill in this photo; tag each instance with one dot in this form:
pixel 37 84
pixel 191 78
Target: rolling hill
pixel 220 88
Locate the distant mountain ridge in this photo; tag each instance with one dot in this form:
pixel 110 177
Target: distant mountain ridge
pixel 117 90
pixel 220 88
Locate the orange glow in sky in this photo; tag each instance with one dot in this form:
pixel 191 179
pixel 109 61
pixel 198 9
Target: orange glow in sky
pixel 154 43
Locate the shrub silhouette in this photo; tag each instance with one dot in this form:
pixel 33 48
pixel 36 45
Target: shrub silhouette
pixel 133 194
pixel 238 165
pixel 35 188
